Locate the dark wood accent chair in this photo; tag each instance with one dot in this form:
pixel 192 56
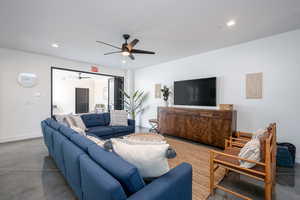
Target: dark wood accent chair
pixel 265 170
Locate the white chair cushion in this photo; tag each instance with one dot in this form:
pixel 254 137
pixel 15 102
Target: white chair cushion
pixel 250 151
pixel 259 133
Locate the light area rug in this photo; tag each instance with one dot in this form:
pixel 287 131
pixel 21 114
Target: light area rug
pixel 198 157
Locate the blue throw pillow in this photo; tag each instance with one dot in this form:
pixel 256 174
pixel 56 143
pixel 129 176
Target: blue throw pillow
pixel 92 120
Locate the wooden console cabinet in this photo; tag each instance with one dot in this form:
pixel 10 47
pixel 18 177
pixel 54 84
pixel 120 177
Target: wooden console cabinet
pixel 210 127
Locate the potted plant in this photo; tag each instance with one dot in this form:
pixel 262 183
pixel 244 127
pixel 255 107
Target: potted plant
pixel 166 92
pixel 134 103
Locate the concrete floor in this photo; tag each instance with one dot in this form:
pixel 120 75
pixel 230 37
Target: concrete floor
pixel 27 173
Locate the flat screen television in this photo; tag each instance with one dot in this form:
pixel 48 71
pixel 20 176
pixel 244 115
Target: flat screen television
pixel 197 92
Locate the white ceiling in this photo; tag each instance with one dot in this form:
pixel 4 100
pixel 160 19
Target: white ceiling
pixel 172 28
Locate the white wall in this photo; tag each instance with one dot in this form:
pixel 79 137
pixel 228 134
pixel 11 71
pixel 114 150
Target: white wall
pixel 101 91
pixel 278 57
pixel 130 81
pixel 64 94
pixel 20 111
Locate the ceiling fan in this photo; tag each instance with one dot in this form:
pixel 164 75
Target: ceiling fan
pixel 82 77
pixel 127 48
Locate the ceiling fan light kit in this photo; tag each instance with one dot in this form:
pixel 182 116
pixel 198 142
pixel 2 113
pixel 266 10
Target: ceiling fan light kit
pixel 127 48
pixel 125 53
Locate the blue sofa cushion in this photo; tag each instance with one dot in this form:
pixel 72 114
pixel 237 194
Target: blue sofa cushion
pixel 92 120
pixel 106 118
pixel 81 141
pixel 66 131
pixel 101 131
pixel 124 172
pixel 48 139
pixel 48 121
pixel 120 129
pixel 97 183
pixel 58 140
pixel 71 154
pixel 131 122
pixel 54 124
pixel 174 185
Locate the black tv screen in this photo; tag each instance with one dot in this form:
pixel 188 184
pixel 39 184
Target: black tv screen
pixel 198 92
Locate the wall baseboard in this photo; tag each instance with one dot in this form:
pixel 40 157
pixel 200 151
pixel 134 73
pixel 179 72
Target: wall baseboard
pixel 21 137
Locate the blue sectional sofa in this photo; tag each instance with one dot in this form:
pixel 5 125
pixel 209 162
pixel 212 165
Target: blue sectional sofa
pixel 98 124
pixel 96 174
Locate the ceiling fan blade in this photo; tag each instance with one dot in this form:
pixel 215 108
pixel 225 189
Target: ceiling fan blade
pixel 132 44
pixel 112 52
pixel 108 44
pixel 141 51
pixel 131 56
pixel 82 77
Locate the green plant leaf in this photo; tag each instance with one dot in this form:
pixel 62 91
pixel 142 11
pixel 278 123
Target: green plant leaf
pixel 139 96
pixel 134 94
pixel 138 104
pixel 125 101
pixel 134 103
pixel 125 94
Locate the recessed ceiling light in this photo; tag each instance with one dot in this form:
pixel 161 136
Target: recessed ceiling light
pixel 54 45
pixel 123 61
pixel 231 23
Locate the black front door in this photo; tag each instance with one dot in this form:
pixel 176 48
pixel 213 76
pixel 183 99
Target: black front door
pixel 81 100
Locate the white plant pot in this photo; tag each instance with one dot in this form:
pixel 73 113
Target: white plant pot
pixel 166 103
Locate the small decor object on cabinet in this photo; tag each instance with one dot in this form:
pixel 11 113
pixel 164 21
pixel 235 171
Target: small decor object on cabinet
pixel 254 86
pixel 27 80
pixel 166 92
pixel 226 106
